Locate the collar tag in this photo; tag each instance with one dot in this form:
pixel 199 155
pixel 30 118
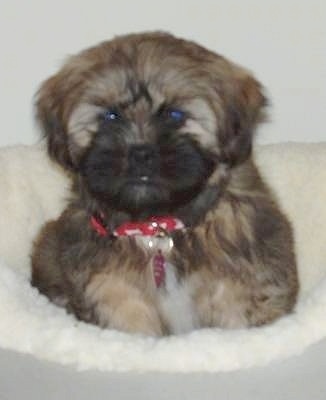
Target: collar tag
pixel 159 265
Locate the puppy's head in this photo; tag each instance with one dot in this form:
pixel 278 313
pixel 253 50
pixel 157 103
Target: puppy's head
pixel 147 120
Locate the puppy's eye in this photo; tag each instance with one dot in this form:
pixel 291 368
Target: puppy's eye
pixel 111 116
pixel 175 115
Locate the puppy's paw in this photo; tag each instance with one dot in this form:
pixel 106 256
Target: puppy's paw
pixel 119 305
pixel 132 316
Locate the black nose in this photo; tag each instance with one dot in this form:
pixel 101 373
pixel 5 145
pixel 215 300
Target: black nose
pixel 144 154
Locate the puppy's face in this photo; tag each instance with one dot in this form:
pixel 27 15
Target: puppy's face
pixel 148 121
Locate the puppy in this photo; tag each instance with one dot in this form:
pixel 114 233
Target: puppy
pixel 170 227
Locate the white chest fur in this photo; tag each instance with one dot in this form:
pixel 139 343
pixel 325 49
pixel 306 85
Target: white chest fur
pixel 174 297
pixel 176 304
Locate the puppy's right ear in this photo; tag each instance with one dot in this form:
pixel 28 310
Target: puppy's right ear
pixel 52 108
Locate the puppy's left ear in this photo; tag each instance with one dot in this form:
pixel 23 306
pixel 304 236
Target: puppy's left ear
pixel 244 109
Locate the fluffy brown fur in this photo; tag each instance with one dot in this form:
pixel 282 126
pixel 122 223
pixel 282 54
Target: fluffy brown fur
pixel 149 124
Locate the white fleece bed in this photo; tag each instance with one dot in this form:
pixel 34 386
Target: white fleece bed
pixel 33 190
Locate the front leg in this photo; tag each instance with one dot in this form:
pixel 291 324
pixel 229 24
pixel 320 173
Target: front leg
pixel 120 305
pixel 247 273
pixel 232 304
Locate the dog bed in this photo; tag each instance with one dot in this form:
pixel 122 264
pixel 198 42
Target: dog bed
pixel 33 190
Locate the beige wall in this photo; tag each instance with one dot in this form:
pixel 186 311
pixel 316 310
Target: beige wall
pixel 282 41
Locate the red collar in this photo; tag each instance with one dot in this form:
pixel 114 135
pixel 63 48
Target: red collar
pixel 153 227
